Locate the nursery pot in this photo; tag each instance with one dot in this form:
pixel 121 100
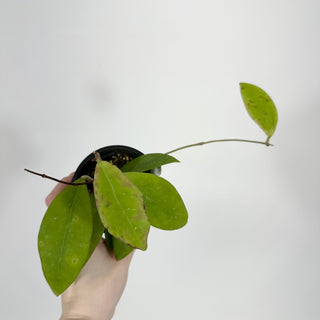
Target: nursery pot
pixel 118 155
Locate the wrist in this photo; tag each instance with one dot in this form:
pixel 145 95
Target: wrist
pixel 86 311
pixel 75 317
pixel 81 317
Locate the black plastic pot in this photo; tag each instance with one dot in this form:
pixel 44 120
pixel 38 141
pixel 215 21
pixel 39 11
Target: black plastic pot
pixel 119 155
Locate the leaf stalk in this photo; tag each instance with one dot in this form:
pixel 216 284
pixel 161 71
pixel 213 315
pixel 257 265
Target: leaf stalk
pixel 220 140
pixel 61 181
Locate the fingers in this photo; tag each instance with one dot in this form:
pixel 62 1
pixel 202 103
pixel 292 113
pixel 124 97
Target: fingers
pixel 58 188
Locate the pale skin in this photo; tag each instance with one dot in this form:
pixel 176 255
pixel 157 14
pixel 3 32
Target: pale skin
pixel 96 292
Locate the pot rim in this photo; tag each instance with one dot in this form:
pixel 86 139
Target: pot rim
pixel 88 164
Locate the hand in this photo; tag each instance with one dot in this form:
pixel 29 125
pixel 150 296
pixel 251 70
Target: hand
pixel 99 286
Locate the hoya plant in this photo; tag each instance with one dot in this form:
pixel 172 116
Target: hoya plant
pixel 119 198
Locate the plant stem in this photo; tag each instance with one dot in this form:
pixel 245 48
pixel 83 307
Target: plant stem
pixel 57 180
pixel 220 140
pixel 97 156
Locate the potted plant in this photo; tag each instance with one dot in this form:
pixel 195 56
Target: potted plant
pixel 117 193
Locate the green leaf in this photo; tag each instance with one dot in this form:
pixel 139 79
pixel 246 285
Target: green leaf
pixel 97 226
pixel 108 240
pixel 64 237
pixel 120 205
pixel 119 248
pixel 260 108
pixel 147 162
pixel 164 205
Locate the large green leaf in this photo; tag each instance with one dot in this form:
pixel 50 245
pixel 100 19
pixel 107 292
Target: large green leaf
pixel 164 205
pixel 260 107
pixel 120 205
pixel 147 162
pixel 64 237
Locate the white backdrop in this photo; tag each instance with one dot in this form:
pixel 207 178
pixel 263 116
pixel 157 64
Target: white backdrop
pixel 79 75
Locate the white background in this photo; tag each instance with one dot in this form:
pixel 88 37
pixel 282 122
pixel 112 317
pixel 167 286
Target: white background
pixel 155 75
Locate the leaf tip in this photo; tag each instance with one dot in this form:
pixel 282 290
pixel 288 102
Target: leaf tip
pixel 242 85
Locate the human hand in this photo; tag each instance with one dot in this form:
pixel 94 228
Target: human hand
pixel 99 286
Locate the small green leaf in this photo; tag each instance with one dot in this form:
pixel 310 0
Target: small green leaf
pixel 119 248
pixel 120 205
pixel 64 237
pixel 147 162
pixel 108 239
pixel 164 205
pixel 97 226
pixel 260 108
